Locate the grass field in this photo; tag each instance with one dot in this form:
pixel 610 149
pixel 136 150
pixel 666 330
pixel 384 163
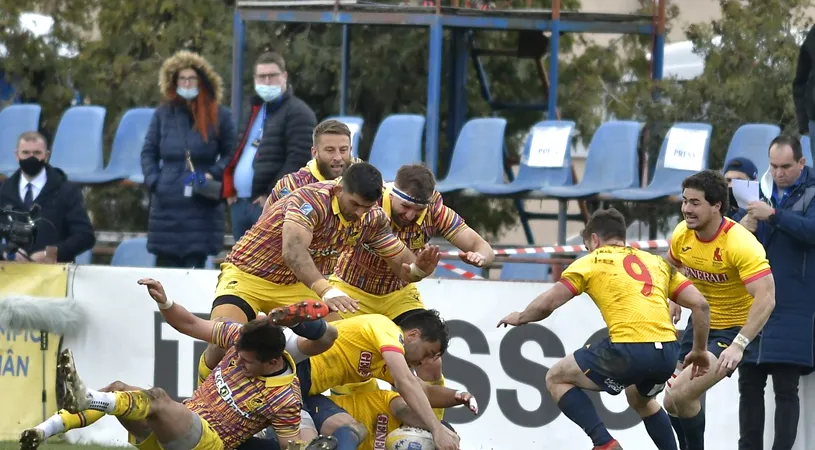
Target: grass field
pixel 15 446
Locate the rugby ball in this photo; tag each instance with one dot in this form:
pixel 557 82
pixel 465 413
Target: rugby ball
pixel 409 438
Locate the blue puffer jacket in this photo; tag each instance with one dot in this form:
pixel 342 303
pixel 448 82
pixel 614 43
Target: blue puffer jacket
pixel 178 225
pixel 789 238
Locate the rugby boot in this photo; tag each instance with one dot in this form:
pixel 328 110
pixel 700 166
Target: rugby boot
pixel 305 311
pixel 611 445
pixel 75 395
pixel 323 443
pixel 31 438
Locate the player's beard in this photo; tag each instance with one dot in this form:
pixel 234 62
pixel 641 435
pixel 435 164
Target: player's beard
pixel 328 172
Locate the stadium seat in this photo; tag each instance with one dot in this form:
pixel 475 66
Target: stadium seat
pixel 398 141
pixel 752 141
pixel 355 125
pixel 806 149
pixel 525 271
pixel 77 148
pixel 478 157
pixel 125 155
pixel 612 162
pixel 84 258
pixel 545 167
pixel 684 152
pixel 441 272
pixel 133 253
pixel 14 121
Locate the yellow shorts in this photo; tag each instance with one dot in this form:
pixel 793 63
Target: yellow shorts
pixel 209 440
pixel 390 305
pixel 258 293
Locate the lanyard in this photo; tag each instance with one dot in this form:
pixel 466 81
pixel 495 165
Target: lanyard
pixel 262 121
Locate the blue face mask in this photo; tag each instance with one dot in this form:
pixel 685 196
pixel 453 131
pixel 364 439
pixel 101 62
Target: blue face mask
pixel 268 93
pixel 187 93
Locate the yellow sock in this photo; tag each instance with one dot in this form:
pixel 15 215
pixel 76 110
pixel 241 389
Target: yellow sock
pixel 132 405
pixel 203 370
pixel 369 385
pixel 79 420
pixel 439 412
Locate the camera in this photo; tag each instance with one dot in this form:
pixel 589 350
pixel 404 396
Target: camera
pixel 18 229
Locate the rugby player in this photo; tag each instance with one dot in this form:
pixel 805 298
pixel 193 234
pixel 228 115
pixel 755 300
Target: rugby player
pixel 417 214
pixel 631 288
pixel 729 266
pixel 252 388
pixel 331 155
pixel 372 346
pixel 281 259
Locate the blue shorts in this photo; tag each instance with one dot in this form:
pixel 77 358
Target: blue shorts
pixel 717 340
pixel 318 406
pixel 613 367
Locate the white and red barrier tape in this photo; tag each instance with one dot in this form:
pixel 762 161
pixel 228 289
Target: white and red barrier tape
pixel 660 244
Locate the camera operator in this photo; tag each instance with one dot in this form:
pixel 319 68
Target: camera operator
pixel 62 220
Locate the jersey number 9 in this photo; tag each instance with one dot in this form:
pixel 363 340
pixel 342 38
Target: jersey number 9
pixel 630 262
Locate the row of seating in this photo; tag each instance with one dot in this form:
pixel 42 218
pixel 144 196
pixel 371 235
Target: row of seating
pixel 477 167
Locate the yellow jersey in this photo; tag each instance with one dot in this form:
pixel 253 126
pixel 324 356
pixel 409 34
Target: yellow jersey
pixel 720 268
pixel 373 410
pixel 631 288
pixel 357 353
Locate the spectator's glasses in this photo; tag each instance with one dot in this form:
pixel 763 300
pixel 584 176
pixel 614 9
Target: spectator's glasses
pixel 267 77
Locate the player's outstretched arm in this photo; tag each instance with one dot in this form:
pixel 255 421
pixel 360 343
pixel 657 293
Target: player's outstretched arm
pixel 176 315
pixel 410 388
pixel 475 250
pixel 414 268
pixel 540 308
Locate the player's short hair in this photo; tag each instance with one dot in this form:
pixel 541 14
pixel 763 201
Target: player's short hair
pixel 713 184
pixel 416 181
pixel 263 338
pixel 330 126
pixel 32 136
pixel 364 180
pixel 606 224
pixel 271 58
pixel 430 324
pixel 791 142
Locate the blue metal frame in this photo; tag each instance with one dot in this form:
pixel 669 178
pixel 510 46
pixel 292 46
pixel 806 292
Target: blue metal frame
pixel 461 26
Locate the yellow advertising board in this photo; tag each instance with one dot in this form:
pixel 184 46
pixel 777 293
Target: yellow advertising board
pixel 27 370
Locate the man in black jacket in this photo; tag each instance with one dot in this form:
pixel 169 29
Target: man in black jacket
pixel 276 141
pixel 63 221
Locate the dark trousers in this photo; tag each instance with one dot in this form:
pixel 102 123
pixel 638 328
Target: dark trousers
pixel 181 262
pixel 752 381
pixel 243 214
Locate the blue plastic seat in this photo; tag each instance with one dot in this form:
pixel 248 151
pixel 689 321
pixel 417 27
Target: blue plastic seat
pixel 77 148
pixel 525 271
pixel 355 125
pixel 84 258
pixel 806 150
pixel 398 141
pixel 612 162
pixel 125 155
pixel 14 121
pixel 133 253
pixel 752 141
pixel 668 175
pixel 478 157
pixel 535 173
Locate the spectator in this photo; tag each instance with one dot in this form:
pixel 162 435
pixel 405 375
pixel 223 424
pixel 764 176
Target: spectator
pixel 283 146
pixel 786 228
pixel 190 139
pixel 738 169
pixel 64 221
pixel 803 87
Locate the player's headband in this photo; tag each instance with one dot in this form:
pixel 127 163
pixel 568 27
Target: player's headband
pixel 404 196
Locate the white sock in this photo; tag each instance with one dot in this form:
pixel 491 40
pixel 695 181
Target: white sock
pixel 51 426
pixel 102 401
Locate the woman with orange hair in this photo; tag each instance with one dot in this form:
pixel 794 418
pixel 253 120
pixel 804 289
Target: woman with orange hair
pixel 188 144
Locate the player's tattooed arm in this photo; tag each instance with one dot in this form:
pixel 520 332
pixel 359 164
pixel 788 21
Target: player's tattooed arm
pixel 403 414
pixel 296 240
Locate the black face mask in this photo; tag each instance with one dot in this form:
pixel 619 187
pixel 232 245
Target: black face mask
pixel 31 166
